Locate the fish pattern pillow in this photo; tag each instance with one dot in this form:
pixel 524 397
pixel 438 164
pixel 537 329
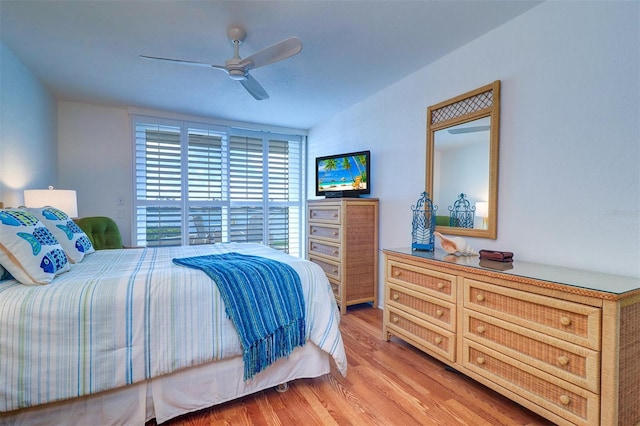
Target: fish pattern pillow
pixel 73 240
pixel 4 274
pixel 28 250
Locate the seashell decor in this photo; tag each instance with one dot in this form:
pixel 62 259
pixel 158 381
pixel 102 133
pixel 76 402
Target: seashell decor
pixel 455 245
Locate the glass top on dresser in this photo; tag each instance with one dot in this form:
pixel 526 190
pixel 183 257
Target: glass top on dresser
pixel 597 281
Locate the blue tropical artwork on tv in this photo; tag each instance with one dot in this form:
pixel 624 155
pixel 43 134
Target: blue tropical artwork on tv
pixel 346 173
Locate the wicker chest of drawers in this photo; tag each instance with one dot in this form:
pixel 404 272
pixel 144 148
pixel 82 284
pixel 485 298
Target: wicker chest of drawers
pixel 569 352
pixel 343 240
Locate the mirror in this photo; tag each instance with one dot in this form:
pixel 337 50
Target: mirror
pixel 462 162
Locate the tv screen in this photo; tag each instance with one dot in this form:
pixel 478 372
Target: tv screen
pixel 343 175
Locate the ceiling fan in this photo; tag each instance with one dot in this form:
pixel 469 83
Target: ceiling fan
pixel 470 129
pixel 238 68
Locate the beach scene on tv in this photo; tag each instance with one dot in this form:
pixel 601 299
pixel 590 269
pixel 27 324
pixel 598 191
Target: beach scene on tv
pixel 343 174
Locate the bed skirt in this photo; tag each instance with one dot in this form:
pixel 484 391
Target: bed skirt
pixel 174 394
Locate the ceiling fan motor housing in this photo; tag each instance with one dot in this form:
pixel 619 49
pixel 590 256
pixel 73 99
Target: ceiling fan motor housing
pixel 237 74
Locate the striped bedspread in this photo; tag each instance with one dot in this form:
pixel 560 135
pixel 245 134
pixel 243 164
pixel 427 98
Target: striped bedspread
pixel 124 316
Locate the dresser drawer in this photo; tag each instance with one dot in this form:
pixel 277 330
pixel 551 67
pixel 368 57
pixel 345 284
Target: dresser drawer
pixel 421 333
pixel 573 363
pixel 326 232
pixel 569 321
pixel 332 269
pixel 335 287
pixel 423 306
pixel 437 284
pixel 324 214
pixel 326 249
pixel 570 402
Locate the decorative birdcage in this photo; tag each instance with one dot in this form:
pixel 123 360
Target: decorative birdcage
pixel 462 214
pixel 423 224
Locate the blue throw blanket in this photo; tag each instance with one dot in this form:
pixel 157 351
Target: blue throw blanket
pixel 264 300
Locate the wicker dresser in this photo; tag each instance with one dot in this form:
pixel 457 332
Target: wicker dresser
pixel 343 240
pixel 563 343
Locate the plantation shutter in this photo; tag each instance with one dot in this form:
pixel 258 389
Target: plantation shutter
pixel 284 191
pixel 207 170
pixel 203 184
pixel 158 184
pixel 246 169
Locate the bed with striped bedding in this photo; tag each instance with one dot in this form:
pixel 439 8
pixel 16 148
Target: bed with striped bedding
pixel 122 317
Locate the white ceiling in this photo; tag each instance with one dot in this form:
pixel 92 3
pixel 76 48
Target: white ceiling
pixel 88 51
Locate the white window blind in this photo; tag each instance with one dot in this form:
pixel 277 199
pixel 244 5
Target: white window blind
pixel 202 184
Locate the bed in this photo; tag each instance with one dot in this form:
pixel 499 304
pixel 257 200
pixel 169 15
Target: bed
pixel 127 335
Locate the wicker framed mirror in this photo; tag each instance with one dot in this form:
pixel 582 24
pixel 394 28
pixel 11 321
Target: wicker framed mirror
pixel 462 162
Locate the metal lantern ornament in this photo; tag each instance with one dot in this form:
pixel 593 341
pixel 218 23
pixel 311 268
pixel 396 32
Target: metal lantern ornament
pixel 423 224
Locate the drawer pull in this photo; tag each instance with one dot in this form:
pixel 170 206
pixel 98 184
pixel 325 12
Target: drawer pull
pixel 396 296
pixel 395 319
pixel 335 233
pixel 565 321
pixel 313 230
pixel 440 286
pixel 480 360
pixel 480 329
pixel 334 271
pixel 480 298
pixel 563 360
pixel 565 400
pixel 335 215
pixel 336 252
pixel 396 273
pixel 438 340
pixel 313 246
pixel 439 312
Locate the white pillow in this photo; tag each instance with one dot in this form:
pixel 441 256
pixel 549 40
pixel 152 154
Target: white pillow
pixel 28 250
pixel 73 240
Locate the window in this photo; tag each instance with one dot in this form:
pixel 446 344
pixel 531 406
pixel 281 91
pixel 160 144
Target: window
pixel 203 184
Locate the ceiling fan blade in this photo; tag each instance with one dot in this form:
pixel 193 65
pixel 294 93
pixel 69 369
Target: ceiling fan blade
pixel 279 51
pixel 470 129
pixel 254 88
pixel 182 61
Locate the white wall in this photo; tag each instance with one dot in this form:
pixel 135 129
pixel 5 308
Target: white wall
pixel 95 160
pixel 569 178
pixel 28 150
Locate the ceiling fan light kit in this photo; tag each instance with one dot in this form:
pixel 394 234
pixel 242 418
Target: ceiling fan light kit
pixel 238 68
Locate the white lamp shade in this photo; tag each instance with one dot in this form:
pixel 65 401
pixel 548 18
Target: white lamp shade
pixel 482 209
pixel 61 199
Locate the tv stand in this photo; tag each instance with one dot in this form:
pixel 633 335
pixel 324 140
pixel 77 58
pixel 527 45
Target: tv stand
pixel 342 239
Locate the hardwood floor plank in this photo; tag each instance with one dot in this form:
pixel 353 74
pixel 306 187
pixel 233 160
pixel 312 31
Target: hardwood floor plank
pixel 388 383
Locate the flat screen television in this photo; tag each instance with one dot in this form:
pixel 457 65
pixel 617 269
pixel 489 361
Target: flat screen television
pixel 343 175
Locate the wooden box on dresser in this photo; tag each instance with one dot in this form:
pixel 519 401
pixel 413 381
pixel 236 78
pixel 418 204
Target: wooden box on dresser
pixel 564 343
pixel 343 240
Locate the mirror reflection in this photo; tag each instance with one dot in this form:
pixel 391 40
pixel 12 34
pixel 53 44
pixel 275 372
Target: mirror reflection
pixel 461 174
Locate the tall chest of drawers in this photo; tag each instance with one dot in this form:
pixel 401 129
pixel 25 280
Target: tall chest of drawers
pixel 563 343
pixel 343 240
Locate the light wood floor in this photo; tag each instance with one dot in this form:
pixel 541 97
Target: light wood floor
pixel 388 383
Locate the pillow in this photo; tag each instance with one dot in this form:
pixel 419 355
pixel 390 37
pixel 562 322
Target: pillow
pixel 4 274
pixel 28 250
pixel 73 240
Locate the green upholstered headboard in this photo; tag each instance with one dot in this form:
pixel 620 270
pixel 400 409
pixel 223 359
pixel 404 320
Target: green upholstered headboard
pixel 102 231
pixel 442 220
